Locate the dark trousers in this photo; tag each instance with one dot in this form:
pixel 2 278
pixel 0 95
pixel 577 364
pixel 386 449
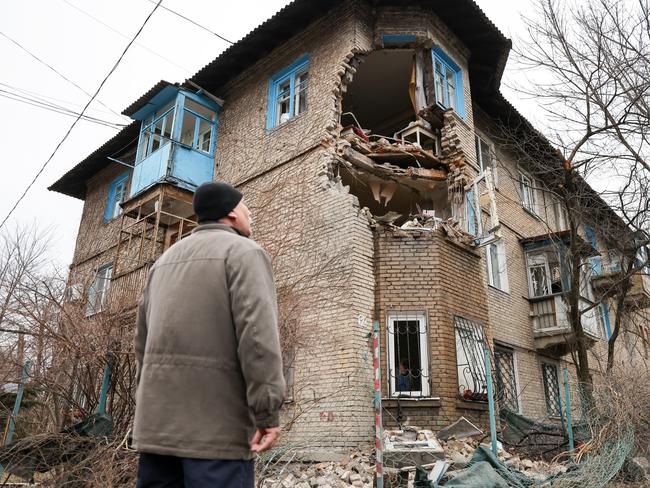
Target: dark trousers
pixel 156 471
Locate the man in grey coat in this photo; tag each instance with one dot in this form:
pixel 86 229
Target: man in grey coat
pixel 209 367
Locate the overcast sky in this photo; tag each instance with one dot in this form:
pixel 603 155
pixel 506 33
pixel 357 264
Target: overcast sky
pixel 82 39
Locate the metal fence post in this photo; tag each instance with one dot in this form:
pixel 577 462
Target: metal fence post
pixel 488 378
pixel 11 422
pixel 379 463
pixel 567 403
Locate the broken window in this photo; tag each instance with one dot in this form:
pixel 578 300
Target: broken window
pixel 528 193
pixel 470 359
pixel 506 378
pixel 551 390
pixel 408 363
pixel 116 195
pixel 472 213
pixel 485 157
pixel 288 93
pixel 495 257
pixel 99 289
pixel 544 273
pixel 447 82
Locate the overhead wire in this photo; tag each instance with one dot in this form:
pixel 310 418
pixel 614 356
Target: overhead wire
pixel 65 137
pixel 52 68
pixel 194 22
pixel 52 107
pixel 79 9
pixel 47 98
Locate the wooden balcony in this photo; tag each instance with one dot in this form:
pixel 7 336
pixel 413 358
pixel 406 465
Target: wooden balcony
pixel 551 330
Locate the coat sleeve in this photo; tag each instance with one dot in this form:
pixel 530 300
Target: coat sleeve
pixel 140 336
pixel 254 312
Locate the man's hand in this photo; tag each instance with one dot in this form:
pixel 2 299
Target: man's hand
pixel 264 438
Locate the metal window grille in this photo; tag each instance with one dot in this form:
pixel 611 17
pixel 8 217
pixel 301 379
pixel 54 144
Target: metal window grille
pixel 551 390
pixel 470 359
pixel 408 370
pixel 506 382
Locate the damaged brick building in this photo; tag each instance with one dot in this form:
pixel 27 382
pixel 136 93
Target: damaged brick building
pixel 361 134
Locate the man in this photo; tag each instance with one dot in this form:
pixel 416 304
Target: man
pixel 209 367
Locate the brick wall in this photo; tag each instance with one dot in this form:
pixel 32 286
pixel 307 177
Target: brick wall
pixel 425 272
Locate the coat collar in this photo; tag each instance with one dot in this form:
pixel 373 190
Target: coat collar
pixel 215 226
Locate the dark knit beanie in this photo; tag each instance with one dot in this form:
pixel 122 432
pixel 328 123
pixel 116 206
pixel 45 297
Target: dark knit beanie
pixel 213 201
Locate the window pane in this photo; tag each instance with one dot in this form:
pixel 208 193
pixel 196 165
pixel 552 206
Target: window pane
pixel 538 280
pixel 551 389
pixel 205 135
pixel 118 197
pixel 506 384
pixel 144 142
pixel 470 358
pixel 199 109
pixel 283 103
pixel 167 107
pixel 407 360
pixel 451 89
pixel 188 128
pixel 300 103
pixel 440 88
pixel 495 268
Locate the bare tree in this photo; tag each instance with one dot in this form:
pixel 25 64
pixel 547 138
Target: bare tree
pixel 591 66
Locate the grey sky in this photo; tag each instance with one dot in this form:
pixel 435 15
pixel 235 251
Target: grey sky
pixel 84 50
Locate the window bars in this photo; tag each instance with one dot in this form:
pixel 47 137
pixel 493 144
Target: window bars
pixel 470 359
pixel 408 364
pixel 551 389
pixel 506 382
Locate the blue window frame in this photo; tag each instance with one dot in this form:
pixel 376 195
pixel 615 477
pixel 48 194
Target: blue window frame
pixel 595 262
pixel 288 93
pixel 156 130
pixel 448 82
pixel 187 119
pixel 116 195
pixel 604 312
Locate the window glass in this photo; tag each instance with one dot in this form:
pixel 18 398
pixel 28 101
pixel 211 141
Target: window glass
pixel 188 128
pixel 494 266
pixel 470 358
pixel 300 102
pixel 283 102
pixel 551 389
pixel 506 381
pixel 99 289
pixel 451 89
pixel 407 347
pixel 118 197
pixel 199 109
pixel 205 135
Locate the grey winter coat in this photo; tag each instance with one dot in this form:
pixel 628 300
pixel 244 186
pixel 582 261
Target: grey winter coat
pixel 209 367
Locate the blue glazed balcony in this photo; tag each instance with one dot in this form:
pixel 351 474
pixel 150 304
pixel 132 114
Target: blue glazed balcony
pixel 177 140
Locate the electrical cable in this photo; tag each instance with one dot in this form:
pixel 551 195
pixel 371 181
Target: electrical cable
pixel 125 36
pixel 60 109
pixel 52 68
pixel 101 85
pixel 193 22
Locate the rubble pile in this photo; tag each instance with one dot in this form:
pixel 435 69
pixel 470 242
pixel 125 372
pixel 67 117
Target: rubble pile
pixel 357 469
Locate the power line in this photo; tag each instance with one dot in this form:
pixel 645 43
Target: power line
pixel 125 36
pixel 52 68
pixel 194 22
pixel 49 99
pixel 101 85
pixel 52 107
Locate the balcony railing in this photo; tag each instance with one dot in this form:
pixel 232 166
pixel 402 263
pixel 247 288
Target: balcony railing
pixel 173 162
pixel 551 327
